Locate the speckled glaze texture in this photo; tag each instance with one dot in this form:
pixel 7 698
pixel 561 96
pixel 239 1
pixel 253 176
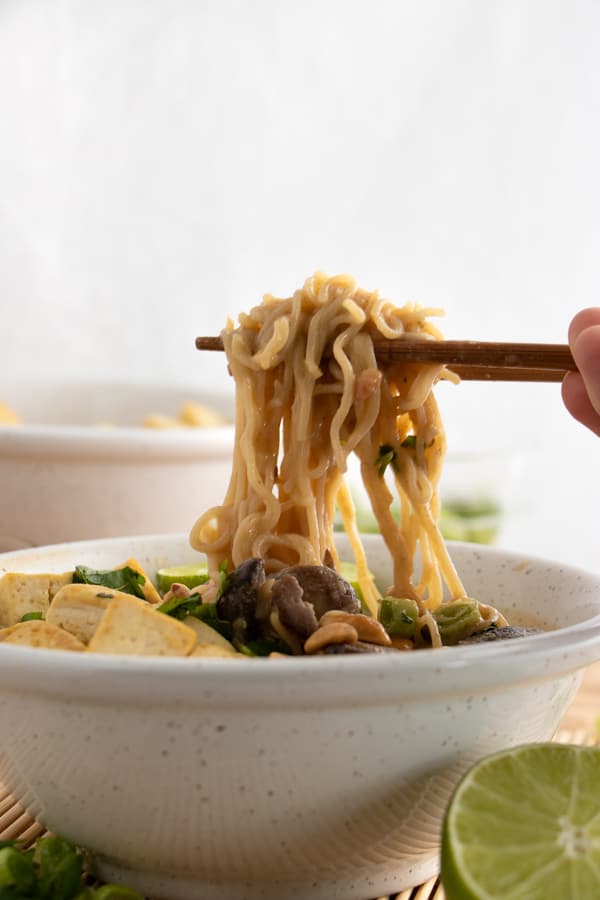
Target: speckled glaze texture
pixel 299 778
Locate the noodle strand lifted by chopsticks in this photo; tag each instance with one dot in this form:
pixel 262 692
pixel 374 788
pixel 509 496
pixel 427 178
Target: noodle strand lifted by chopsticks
pixel 309 393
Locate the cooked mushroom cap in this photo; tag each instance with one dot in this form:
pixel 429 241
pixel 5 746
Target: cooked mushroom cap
pixel 238 600
pixel 505 633
pixel 358 647
pixel 294 611
pixel 299 595
pixel 323 588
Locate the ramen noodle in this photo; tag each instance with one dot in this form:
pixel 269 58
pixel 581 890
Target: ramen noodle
pixel 309 392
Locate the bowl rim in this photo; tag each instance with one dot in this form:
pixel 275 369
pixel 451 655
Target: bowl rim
pixel 352 680
pixel 84 442
pixel 32 440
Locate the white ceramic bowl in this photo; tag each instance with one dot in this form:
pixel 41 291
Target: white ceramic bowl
pixel 64 477
pixel 323 778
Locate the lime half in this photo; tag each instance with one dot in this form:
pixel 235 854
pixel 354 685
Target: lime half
pixel 191 576
pixel 524 824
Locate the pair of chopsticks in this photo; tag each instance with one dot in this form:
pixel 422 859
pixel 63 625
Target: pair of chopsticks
pixel 470 360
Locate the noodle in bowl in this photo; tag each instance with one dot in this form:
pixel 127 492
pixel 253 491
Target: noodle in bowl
pixel 323 769
pixel 323 777
pixel 310 392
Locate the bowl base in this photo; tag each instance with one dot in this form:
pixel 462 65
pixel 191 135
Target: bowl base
pixel 161 886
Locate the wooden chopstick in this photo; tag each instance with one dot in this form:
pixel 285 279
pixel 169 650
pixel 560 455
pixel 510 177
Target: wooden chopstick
pixel 506 373
pixel 484 360
pixel 470 360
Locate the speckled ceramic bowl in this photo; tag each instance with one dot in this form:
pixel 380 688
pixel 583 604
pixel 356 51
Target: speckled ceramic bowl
pixel 81 466
pixel 320 778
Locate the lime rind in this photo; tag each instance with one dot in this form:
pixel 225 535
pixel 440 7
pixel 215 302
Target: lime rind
pixel 189 575
pixel 524 824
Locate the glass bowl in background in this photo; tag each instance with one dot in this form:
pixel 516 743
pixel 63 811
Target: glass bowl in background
pixel 479 493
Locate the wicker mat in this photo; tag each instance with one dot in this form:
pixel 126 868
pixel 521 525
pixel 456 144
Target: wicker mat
pixel 580 726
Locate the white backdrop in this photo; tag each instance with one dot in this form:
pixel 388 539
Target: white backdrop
pixel 163 163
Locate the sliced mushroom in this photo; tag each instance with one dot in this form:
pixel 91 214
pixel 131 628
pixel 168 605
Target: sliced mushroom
pixel 358 647
pixel 505 633
pixel 296 613
pixel 323 588
pixel 237 604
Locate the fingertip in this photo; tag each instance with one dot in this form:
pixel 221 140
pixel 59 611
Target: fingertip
pixel 584 319
pixel 577 402
pixel 586 350
pixel 572 389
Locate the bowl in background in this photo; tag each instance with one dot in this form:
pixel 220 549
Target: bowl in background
pixel 81 466
pixel 479 495
pixel 325 777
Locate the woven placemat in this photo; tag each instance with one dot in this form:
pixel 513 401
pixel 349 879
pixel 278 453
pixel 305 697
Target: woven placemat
pixel 16 824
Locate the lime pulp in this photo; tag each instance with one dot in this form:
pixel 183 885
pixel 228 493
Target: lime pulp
pixel 524 824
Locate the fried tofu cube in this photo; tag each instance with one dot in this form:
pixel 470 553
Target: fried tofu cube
pixel 26 593
pixel 130 626
pixel 37 633
pixel 150 592
pixel 78 608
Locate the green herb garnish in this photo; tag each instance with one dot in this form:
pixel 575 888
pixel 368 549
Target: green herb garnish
pixel 264 647
pixel 387 455
pixel 223 578
pixel 399 615
pixel 51 870
pixel 457 619
pixel 126 580
pixel 32 617
pixel 181 607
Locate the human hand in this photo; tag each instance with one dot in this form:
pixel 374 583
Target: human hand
pixel 581 390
